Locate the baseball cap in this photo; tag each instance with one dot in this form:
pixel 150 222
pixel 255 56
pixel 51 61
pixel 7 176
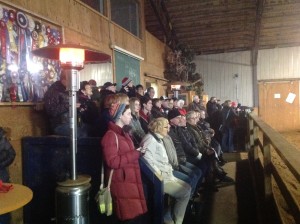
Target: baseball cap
pixel 108 84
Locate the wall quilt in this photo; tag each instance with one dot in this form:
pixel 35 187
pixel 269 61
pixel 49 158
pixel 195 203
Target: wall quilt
pixel 24 77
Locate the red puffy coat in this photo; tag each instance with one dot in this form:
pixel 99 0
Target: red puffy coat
pixel 126 186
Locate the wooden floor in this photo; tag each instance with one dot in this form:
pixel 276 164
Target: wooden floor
pixel 232 204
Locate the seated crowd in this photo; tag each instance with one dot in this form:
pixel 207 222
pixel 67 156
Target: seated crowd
pixel 180 144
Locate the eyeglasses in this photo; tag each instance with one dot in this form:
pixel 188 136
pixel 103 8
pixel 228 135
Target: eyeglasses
pixel 193 118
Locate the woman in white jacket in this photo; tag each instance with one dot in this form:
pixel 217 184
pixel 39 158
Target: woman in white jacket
pixel 157 157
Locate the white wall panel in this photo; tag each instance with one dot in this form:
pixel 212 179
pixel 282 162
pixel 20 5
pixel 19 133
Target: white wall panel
pixel 101 73
pixel 218 71
pixel 278 63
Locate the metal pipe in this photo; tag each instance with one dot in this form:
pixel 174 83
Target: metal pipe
pixel 73 80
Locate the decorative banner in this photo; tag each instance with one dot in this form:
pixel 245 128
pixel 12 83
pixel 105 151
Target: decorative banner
pixel 24 77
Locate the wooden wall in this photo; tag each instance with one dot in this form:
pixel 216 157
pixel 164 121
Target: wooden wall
pixel 153 64
pixel 20 120
pixel 278 113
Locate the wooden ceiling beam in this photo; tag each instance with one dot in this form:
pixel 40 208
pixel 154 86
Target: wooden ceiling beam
pixel 221 44
pixel 208 5
pixel 232 35
pixel 181 16
pixel 197 21
pixel 238 25
pixel 164 20
pixel 205 51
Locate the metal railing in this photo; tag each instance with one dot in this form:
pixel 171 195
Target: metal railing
pixel 275 165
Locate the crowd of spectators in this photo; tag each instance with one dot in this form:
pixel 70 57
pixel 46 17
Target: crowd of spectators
pixel 181 144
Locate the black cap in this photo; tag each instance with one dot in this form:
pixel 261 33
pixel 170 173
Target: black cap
pixel 108 84
pixel 173 113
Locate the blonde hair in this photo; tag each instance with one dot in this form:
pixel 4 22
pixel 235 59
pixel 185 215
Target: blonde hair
pixel 157 125
pixel 123 98
pixel 132 101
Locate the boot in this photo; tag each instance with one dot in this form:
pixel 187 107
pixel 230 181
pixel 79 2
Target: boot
pixel 218 171
pixel 222 161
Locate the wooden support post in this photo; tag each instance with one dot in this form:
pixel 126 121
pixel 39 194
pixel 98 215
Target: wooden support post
pixel 255 138
pixel 267 167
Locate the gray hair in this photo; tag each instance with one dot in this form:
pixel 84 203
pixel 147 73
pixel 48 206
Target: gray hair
pixel 180 101
pixel 190 114
pixel 196 96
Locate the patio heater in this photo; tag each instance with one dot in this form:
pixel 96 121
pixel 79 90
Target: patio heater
pixel 175 86
pixel 72 195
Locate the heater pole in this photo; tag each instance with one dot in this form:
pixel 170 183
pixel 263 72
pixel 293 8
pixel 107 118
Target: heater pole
pixel 73 119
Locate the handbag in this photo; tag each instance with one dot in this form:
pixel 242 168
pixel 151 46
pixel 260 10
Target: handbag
pixel 103 197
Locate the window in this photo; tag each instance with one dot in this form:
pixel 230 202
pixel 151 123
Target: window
pixel 126 13
pixel 98 5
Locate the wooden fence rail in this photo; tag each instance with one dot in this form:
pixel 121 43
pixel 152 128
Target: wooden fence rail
pixel 274 162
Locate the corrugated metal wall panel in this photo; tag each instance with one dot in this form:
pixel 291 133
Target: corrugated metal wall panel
pixel 218 71
pixel 278 63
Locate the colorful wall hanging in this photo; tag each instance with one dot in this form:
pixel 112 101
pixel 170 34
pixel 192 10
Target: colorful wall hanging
pixel 24 77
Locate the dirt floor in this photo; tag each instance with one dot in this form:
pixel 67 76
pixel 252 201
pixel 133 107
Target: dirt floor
pixel 292 183
pixel 293 137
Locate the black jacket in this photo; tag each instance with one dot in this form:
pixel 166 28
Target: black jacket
pixel 189 144
pixel 7 156
pixel 174 134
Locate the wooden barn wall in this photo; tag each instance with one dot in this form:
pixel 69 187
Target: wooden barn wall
pixel 219 71
pixel 275 111
pixel 278 70
pixel 18 121
pixel 82 24
pixel 154 62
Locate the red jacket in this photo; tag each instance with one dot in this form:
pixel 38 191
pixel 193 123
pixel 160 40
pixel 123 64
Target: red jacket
pixel 126 186
pixel 182 111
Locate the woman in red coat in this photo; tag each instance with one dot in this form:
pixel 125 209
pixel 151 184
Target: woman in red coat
pixel 119 154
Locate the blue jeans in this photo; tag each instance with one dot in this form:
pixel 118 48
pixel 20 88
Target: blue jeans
pixel 189 174
pixel 227 140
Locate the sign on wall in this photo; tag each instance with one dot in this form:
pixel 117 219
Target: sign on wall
pixel 24 77
pixel 126 66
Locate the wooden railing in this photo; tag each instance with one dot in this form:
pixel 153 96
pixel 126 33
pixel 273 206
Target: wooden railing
pixel 275 165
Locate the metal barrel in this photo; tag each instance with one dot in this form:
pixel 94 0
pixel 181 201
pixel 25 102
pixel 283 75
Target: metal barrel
pixel 72 204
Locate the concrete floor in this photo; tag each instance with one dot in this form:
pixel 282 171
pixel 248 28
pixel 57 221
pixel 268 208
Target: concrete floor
pixel 234 203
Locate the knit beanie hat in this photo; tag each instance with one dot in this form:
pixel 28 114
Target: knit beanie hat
pixel 126 81
pixel 173 113
pixel 116 110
